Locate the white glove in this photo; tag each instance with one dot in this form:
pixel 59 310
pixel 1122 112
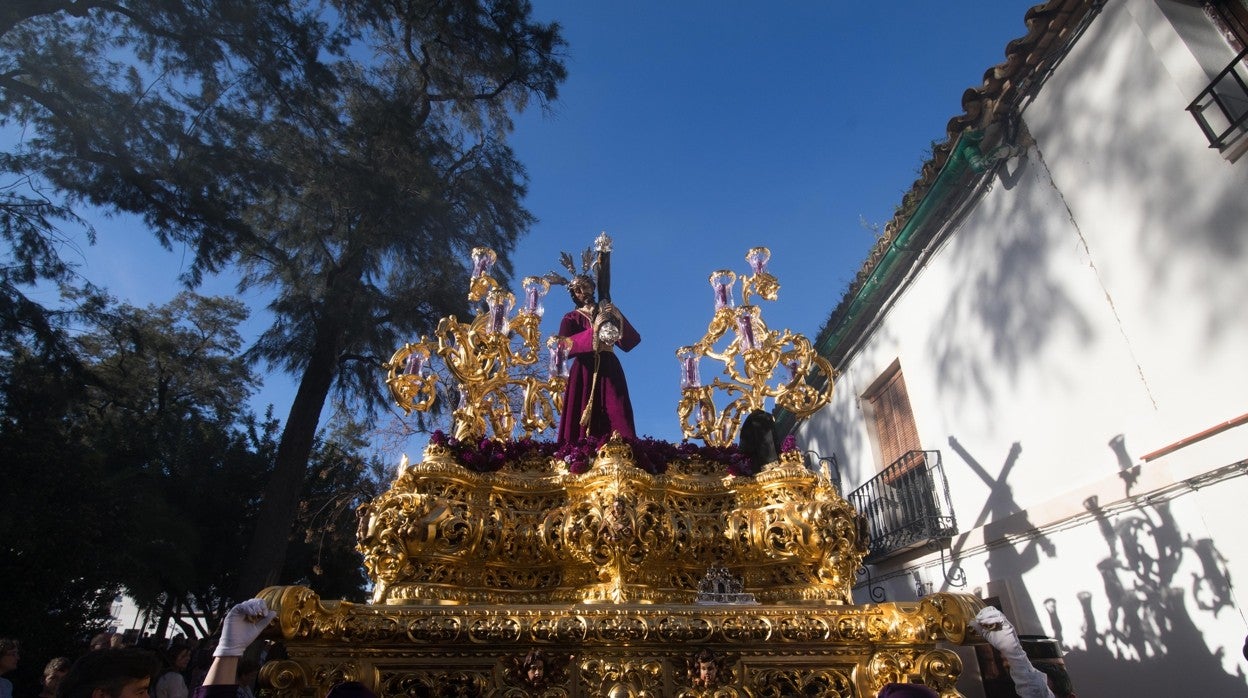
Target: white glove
pixel 1029 682
pixel 243 624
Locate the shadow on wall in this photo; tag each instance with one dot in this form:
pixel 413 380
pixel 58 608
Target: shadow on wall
pixel 1006 561
pixel 1183 219
pixel 1148 643
pixel 1010 294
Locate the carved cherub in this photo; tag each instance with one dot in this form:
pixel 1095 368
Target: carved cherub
pixel 616 524
pixel 537 670
pixel 707 670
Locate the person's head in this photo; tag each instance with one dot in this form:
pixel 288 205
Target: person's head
pixel 178 657
pixel 10 653
pixel 53 673
pixel 101 641
pixel 706 668
pixel 582 289
pixel 123 673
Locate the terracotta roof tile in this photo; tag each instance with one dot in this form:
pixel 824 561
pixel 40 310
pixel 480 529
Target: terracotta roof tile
pixel 1051 27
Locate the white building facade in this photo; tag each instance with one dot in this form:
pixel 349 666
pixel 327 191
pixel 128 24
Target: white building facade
pixel 1056 327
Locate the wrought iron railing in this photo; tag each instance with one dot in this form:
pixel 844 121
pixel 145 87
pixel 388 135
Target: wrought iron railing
pixel 907 505
pixel 1221 109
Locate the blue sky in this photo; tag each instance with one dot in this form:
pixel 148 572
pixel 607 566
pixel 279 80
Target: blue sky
pixel 690 132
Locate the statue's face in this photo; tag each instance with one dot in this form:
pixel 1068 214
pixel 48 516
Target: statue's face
pixel 582 291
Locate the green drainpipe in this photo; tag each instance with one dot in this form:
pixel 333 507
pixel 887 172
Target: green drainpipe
pixel 966 153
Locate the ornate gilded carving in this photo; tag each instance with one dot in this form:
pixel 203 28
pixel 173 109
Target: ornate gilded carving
pixel 824 683
pixel 940 668
pixel 708 670
pixel 617 534
pixel 750 361
pixel 284 676
pixel 640 677
pixel 539 671
pixel 630 648
pixel 436 682
pixel 484 357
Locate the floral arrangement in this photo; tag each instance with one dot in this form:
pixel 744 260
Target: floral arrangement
pixel 651 455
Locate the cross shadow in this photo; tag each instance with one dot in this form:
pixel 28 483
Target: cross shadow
pixel 1005 561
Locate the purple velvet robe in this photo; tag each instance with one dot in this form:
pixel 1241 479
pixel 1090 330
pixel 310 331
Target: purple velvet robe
pixel 612 409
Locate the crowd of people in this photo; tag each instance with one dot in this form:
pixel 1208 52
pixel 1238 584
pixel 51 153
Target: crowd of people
pixel 177 666
pixel 125 671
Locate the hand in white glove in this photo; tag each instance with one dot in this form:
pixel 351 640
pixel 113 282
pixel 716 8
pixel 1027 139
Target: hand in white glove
pixel 243 624
pixel 1029 682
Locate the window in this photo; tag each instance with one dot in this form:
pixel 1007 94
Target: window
pixel 1231 19
pixel 907 504
pixel 894 421
pixel 1216 33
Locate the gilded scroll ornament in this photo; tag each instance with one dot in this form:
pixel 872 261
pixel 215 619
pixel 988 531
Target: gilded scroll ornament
pixel 616 534
pixel 758 364
pixel 485 358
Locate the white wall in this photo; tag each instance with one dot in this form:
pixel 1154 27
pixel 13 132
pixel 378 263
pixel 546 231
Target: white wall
pixel 1094 294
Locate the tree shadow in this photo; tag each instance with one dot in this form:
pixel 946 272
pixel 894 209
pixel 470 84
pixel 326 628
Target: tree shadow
pixel 1186 230
pixel 1141 637
pixel 1007 293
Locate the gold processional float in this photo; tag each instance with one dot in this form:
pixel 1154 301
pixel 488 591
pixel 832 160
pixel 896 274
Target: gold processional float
pixel 506 567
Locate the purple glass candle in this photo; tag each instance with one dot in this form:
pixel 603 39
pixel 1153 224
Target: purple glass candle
pixel 721 282
pixel 499 304
pixel 535 289
pixel 757 258
pixel 745 330
pixel 415 364
pixel 483 259
pixel 690 376
pixel 792 365
pixel 558 366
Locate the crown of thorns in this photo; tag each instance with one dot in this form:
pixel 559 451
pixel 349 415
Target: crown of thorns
pixel 587 264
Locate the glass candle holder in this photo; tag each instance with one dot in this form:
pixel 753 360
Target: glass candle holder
pixel 416 363
pixel 558 362
pixel 745 329
pixel 535 290
pixel 500 303
pixel 483 259
pixel 690 372
pixel 792 365
pixel 757 258
pixel 722 282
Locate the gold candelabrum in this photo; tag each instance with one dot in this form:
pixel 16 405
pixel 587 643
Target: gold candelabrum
pixel 481 355
pixel 750 359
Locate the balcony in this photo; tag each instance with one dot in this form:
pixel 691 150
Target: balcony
pixel 1221 109
pixel 906 506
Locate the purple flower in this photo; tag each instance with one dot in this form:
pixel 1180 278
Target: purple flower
pixel 789 444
